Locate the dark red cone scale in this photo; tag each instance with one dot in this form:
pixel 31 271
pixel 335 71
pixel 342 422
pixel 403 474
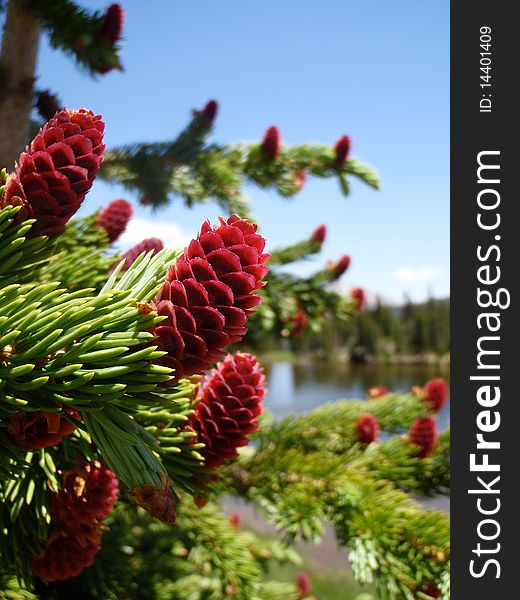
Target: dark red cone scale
pixel 367 428
pixel 208 295
pixel 229 407
pixel 88 494
pixel 114 218
pixel 57 170
pixel 146 245
pixel 40 429
pixel 437 392
pixel 424 432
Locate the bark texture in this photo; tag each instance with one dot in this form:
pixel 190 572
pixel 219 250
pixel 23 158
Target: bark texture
pixel 17 75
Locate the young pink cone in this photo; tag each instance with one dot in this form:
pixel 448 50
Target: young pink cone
pixel 208 295
pixel 437 392
pixel 342 150
pixel 236 520
pixel 112 27
pixel 430 590
pixel 358 297
pixel 146 245
pixel 209 111
pixel 229 407
pixel 271 143
pixel 47 104
pixel 66 556
pixel 88 495
pixel 319 234
pixel 377 391
pixel 114 218
pixel 339 267
pixel 367 428
pixel 298 322
pixel 424 432
pixel 54 174
pixel 303 584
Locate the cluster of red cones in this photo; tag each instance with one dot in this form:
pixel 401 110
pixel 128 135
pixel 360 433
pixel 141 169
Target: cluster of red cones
pixel 88 494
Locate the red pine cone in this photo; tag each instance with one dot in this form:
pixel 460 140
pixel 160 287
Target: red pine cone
pixel 209 111
pixel 47 104
pixel 424 432
pixel 114 218
pixel 146 245
pixel 271 143
pixel 342 149
pixel 88 494
pixel 377 391
pixel 299 322
pixel 341 266
pixel 319 234
pixel 358 296
pixel 235 519
pixel 200 501
pixel 57 170
pixel 207 295
pixel 66 556
pixel 431 590
pixel 367 428
pixel 229 406
pixel 437 392
pixel 303 584
pixel 40 429
pixel 112 26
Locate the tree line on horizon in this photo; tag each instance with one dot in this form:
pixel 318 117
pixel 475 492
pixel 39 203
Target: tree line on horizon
pixel 379 332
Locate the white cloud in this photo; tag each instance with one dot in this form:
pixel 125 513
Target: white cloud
pixel 418 275
pixel 171 234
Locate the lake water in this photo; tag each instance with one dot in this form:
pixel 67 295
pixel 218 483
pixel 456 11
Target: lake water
pixel 298 388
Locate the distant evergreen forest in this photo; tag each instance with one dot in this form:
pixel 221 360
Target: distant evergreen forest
pixel 382 332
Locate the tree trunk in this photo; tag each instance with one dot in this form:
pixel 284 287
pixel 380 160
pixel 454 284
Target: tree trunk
pixel 17 75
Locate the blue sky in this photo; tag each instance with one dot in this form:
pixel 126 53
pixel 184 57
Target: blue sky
pixel 375 70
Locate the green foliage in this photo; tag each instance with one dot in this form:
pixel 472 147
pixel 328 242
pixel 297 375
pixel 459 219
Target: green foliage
pixel 307 470
pixel 93 352
pixel 383 332
pixel 82 256
pixel 196 170
pixel 90 349
pixel 75 331
pixel 201 557
pixel 19 255
pixel 294 252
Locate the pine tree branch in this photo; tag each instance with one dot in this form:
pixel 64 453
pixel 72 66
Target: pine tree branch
pixel 195 170
pixel 76 31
